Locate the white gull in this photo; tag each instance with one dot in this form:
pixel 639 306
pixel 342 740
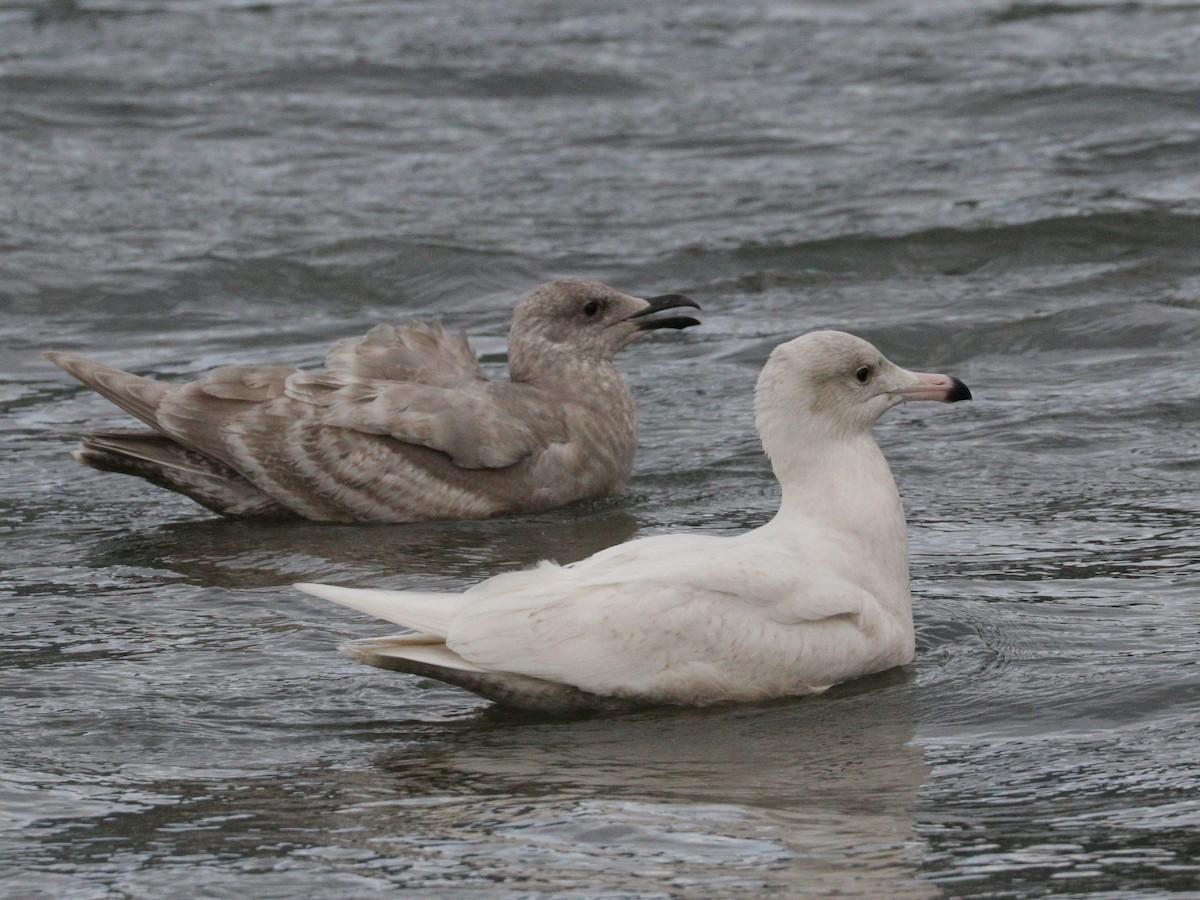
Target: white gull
pixel 403 425
pixel 817 596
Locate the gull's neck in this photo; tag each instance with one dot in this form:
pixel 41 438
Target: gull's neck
pixel 598 411
pixel 843 486
pixel 841 481
pixel 532 360
pixel 586 380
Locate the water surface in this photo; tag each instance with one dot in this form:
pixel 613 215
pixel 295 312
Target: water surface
pixel 1004 191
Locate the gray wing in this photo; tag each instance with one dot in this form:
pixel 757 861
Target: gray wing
pixel 235 413
pixel 342 446
pixel 413 352
pixel 366 451
pixel 419 384
pixel 415 382
pixel 479 425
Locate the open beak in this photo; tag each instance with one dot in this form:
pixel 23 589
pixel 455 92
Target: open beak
pixel 943 388
pixel 658 304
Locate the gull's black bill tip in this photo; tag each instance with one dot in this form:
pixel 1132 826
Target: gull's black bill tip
pixel 958 391
pixel 664 302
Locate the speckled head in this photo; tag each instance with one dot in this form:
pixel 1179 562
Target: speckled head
pixel 583 320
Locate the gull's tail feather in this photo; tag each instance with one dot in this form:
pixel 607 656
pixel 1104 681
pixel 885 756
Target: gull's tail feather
pixel 427 613
pixel 161 461
pixel 156 455
pixel 131 452
pixel 407 650
pixel 138 396
pixel 417 655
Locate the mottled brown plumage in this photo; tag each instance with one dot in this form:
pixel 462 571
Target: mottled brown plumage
pixel 402 425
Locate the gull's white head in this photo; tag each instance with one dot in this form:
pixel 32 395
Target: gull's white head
pixel 832 385
pixel 583 320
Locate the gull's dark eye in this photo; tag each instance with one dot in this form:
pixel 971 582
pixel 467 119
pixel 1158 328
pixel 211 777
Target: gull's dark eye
pixel 863 374
pixel 591 308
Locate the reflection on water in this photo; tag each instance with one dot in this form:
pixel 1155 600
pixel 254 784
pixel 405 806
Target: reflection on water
pixel 804 797
pixel 792 797
pixel 247 555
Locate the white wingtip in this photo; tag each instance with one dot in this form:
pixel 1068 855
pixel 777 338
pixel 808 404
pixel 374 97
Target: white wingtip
pixel 424 612
pixel 318 590
pixel 341 595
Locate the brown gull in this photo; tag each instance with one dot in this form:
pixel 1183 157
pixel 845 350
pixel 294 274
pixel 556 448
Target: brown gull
pixel 402 425
pixel 817 596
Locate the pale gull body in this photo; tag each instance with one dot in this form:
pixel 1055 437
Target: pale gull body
pixel 402 425
pixel 817 596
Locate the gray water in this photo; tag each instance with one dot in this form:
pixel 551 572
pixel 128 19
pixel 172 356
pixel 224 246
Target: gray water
pixel 1009 192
